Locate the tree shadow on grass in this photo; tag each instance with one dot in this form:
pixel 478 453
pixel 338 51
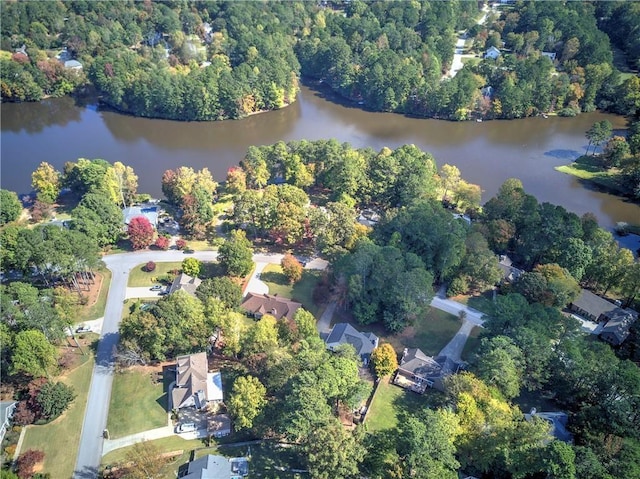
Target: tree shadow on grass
pixel 273 277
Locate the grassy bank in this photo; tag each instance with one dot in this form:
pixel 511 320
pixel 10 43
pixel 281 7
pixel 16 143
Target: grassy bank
pixel 96 310
pixel 137 403
pixel 588 168
pixel 59 440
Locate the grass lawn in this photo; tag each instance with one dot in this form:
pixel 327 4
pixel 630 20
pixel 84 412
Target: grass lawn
pixel 389 404
pixel 139 277
pixel 301 292
pixel 60 439
pixel 472 344
pixel 136 404
pixel 588 168
pixel 431 333
pixel 97 310
pixel 167 444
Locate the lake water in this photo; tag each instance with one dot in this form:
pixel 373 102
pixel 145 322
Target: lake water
pixel 487 153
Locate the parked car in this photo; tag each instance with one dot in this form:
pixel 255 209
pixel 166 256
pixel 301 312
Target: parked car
pixel 83 329
pixel 186 427
pixel 157 287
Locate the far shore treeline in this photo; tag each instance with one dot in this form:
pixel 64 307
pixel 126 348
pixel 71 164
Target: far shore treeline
pixel 197 60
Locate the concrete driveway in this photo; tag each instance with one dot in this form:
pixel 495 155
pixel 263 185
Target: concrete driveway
pixel 97 408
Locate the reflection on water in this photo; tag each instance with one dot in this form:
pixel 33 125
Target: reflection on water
pixel 487 153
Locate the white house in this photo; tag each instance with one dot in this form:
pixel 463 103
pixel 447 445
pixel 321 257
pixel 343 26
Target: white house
pixel 492 53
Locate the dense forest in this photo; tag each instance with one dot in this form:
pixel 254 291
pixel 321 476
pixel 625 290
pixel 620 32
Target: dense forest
pixel 191 60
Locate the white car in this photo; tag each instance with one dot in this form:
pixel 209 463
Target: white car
pixel 186 427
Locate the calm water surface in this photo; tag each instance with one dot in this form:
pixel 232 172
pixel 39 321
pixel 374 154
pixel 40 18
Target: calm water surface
pixel 487 153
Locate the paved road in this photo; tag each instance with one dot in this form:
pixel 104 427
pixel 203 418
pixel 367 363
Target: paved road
pixel 456 63
pixel 95 420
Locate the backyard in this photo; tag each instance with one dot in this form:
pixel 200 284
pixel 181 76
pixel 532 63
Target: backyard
pixel 138 401
pixel 59 440
pixel 390 403
pixel 301 291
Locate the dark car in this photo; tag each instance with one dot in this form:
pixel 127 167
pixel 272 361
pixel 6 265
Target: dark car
pixel 157 287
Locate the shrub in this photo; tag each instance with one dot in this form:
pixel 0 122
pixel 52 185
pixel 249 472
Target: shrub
pixel 150 266
pixel 27 462
pixel 181 244
pixel 10 450
pixel 162 242
pixel 54 399
pixel 459 285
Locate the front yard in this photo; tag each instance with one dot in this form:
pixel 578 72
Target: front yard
pixel 140 277
pixel 59 440
pixel 302 291
pixel 138 401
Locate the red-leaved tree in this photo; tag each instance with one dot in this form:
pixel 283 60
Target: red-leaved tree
pixel 140 232
pixel 26 463
pixel 162 242
pixel 181 244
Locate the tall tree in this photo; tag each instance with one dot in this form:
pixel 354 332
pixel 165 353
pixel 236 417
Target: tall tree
pixel 235 254
pixel 333 452
pixel 140 232
pixel 33 354
pixel 10 207
pixel 46 181
pixel 248 398
pixel 384 360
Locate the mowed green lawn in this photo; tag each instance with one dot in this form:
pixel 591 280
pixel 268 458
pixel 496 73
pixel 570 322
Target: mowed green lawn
pixel 430 333
pixel 389 404
pixel 302 291
pixel 59 440
pixel 140 277
pixel 137 404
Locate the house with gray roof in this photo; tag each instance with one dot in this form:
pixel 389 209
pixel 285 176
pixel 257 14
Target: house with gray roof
pixel 148 211
pixel 217 467
pixel 417 371
pixel 558 422
pixel 509 272
pixel 257 305
pixel 186 283
pixel 344 333
pixel 617 321
pixel 195 386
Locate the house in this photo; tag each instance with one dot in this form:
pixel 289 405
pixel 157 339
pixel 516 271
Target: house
pixel 509 272
pixel 617 328
pixel 73 65
pixel 550 55
pixel 186 283
pixel 492 52
pixel 558 421
pixel 257 305
pixel 368 218
pixel 217 467
pixel 219 425
pixel 344 333
pixel 487 91
pixel 617 320
pixel 148 211
pixel 195 386
pixel 417 371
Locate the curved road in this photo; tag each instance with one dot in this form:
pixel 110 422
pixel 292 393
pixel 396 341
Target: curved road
pixel 97 409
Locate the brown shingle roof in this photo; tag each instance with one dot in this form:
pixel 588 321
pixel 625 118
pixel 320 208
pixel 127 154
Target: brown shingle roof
pixel 191 377
pixel 259 304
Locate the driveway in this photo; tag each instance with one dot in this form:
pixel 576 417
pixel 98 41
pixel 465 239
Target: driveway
pixel 91 440
pixel 255 284
pixel 143 292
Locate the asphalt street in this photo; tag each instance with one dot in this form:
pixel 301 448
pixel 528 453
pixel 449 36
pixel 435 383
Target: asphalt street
pixel 97 410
